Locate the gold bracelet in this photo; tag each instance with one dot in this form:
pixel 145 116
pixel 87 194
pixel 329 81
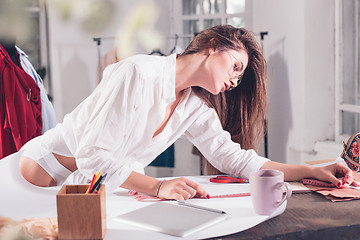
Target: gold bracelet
pixel 158 188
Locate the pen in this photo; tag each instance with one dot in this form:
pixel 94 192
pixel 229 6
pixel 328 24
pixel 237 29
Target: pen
pixel 183 203
pixel 96 184
pixel 100 183
pixel 91 184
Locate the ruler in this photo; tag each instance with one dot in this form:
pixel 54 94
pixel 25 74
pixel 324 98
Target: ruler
pixel 143 197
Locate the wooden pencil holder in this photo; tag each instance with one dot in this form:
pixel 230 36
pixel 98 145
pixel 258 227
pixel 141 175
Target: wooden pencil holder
pixel 80 215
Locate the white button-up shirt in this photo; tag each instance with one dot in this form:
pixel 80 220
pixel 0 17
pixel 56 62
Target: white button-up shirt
pixel 112 130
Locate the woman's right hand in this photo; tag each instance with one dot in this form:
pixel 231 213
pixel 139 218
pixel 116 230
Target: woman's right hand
pixel 180 189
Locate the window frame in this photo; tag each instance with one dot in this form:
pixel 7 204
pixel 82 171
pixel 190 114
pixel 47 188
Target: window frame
pixel 340 106
pixel 178 17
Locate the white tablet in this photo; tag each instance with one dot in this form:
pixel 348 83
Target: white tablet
pixel 172 218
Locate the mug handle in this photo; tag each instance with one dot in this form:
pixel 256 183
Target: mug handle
pixel 288 192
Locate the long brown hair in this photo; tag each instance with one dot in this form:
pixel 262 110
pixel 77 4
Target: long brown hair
pixel 242 111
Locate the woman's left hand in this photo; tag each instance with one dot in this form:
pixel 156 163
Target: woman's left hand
pixel 336 173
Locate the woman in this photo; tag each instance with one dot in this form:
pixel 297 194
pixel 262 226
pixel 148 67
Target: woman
pixel 214 94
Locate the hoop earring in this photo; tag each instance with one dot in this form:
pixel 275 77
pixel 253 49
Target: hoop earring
pixel 211 51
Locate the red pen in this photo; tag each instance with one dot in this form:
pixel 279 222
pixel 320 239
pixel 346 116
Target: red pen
pixel 91 184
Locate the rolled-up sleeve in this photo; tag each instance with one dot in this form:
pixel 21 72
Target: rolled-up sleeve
pixel 98 133
pixel 207 134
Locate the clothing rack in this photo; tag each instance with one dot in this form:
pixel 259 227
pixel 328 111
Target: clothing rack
pixel 99 41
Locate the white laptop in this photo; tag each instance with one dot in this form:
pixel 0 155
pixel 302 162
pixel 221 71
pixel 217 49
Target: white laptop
pixel 172 218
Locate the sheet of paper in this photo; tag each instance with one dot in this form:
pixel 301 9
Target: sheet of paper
pixel 298 187
pixel 321 163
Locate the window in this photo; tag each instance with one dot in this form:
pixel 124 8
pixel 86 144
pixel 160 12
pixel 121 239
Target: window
pixel 196 15
pixel 347 68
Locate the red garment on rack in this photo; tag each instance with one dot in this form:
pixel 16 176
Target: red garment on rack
pixel 20 106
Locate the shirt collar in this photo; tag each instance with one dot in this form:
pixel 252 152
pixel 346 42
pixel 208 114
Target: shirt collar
pixel 20 52
pixel 169 77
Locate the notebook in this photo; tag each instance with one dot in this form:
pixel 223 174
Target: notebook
pixel 171 218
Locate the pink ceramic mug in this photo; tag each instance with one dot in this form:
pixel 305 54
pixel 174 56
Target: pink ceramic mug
pixel 266 188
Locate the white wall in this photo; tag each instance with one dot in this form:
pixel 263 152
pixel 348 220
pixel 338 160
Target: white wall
pixel 300 54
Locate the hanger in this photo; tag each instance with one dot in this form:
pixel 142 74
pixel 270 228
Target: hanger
pixel 176 41
pixel 156 51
